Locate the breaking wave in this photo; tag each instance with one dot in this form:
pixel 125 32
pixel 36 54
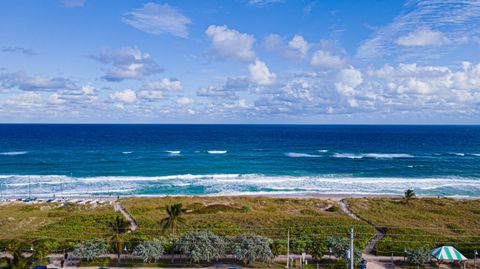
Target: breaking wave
pixel 301 155
pixel 232 184
pixel 217 151
pixel 372 155
pixel 13 153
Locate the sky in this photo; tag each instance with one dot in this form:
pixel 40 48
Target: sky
pixel 240 61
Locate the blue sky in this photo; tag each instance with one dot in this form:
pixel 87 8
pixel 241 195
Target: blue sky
pixel 240 61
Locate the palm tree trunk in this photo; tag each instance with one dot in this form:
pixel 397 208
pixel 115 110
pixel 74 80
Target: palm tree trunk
pixel 173 243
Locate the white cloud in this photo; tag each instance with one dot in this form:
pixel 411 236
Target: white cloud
pixel 28 100
pixel 88 90
pixel 231 44
pixel 158 19
pixel 423 36
pixel 165 84
pixel 127 96
pixel 348 80
pixel 296 49
pixel 323 59
pixel 300 44
pixel 260 73
pixel 184 101
pixel 127 63
pixel 22 81
pixel 459 19
pixel 150 95
pixel 154 89
pixel 216 92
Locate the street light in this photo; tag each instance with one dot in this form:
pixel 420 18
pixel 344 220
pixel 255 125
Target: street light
pixel 475 259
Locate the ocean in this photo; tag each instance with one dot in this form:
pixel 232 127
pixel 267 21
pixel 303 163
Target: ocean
pixel 72 160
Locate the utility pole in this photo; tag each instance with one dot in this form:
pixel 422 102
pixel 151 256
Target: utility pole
pixel 288 248
pixel 351 249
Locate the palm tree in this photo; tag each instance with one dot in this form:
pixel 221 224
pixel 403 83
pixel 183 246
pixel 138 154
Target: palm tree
pixel 18 261
pixel 118 227
pixel 409 194
pixel 174 218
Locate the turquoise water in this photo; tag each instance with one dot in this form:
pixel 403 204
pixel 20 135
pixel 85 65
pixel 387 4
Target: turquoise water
pixel 238 159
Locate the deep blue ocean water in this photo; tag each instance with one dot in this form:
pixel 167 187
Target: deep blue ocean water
pixel 238 159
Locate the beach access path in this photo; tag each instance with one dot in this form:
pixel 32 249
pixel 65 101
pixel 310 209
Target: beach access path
pixel 373 261
pixel 117 206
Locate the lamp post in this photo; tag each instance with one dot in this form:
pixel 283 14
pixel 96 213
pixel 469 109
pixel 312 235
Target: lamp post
pixel 475 259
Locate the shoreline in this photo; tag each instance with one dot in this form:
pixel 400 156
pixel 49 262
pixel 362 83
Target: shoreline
pixel 311 195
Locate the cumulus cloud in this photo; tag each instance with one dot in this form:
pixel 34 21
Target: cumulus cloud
pixel 154 89
pixel 296 49
pixel 127 63
pixel 165 84
pixel 230 43
pixel 184 101
pixel 260 73
pixel 423 36
pixel 348 80
pixel 323 59
pixel 127 96
pixel 158 19
pixel 22 81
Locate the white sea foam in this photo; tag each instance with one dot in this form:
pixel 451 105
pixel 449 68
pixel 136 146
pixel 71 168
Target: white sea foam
pixel 476 154
pixel 127 152
pixel 217 151
pixel 347 155
pixel 13 153
pixel 372 155
pixel 323 150
pixel 173 152
pixel 218 184
pixel 301 155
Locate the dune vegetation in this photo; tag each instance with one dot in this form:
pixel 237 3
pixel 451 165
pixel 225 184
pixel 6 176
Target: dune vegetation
pixel 422 222
pixel 309 221
pixel 54 226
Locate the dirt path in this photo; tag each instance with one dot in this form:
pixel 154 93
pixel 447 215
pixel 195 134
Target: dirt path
pixel 373 262
pixel 117 206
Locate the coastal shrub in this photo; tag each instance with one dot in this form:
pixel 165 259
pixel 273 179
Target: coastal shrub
pixel 301 245
pixel 202 246
pixel 149 250
pixel 418 256
pixel 278 247
pixel 91 250
pixel 250 248
pixel 246 208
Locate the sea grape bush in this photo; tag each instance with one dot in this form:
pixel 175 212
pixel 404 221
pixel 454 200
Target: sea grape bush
pixel 149 250
pixel 202 246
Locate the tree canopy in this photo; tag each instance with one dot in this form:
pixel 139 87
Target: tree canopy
pixel 149 250
pixel 250 248
pixel 202 246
